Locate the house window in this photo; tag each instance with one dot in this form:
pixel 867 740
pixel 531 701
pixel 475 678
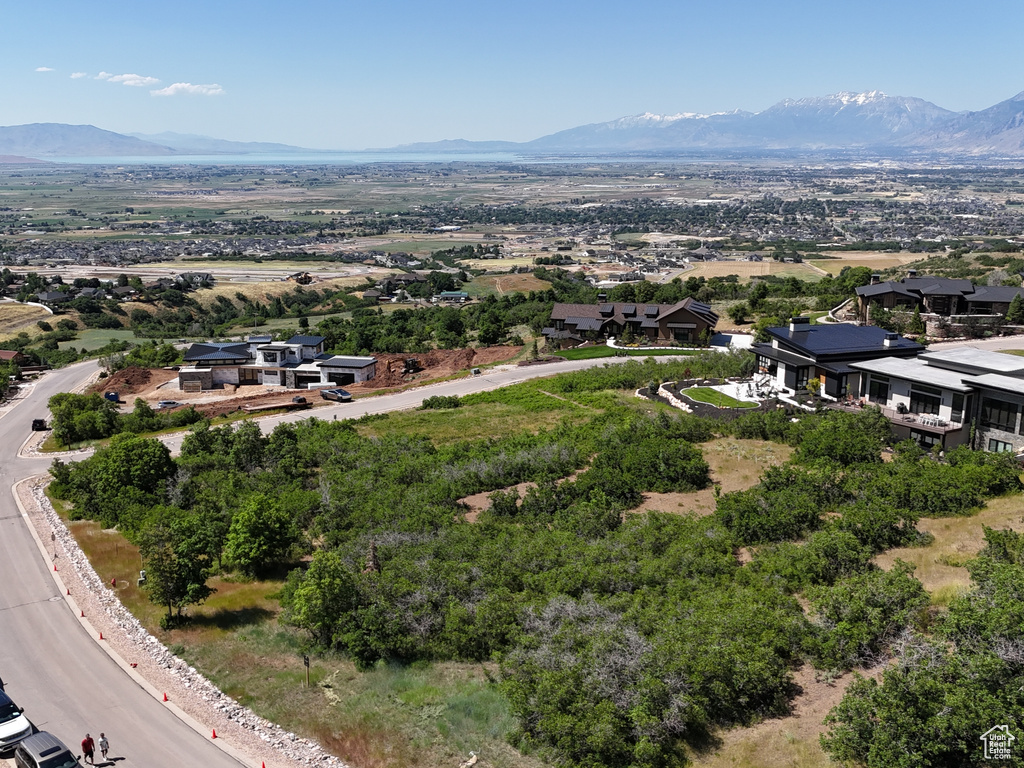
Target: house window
pixel 270 357
pixel 957 414
pixel 803 375
pixel 767 365
pixel 681 334
pixel 999 414
pixel 921 402
pixel 998 446
pixel 878 389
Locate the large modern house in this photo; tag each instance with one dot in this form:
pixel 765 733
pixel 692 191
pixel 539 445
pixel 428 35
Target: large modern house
pixel 684 322
pixel 299 363
pixel 936 397
pixel 802 352
pixel 941 296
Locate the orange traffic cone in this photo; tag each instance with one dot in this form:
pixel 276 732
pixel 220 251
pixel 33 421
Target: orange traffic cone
pixel 101 635
pixel 165 697
pixel 214 736
pixel 55 566
pixel 82 614
pixel 68 592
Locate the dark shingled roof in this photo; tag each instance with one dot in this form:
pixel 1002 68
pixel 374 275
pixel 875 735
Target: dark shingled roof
pixel 210 352
pixel 998 294
pixel 307 341
pixel 817 340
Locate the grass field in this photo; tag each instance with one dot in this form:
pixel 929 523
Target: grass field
pixel 590 353
pixel 94 338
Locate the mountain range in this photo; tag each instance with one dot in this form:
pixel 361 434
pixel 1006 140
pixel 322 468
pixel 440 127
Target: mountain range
pixel 870 122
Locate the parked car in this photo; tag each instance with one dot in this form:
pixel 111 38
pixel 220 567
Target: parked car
pixel 14 726
pixel 39 425
pixel 168 404
pixel 298 399
pixel 335 394
pixel 44 750
pixel 114 397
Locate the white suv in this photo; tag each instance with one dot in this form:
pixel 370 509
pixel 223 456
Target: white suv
pixel 14 726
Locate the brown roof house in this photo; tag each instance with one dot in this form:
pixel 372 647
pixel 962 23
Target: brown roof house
pixel 686 322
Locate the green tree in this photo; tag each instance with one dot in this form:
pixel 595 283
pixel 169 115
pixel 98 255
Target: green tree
pixel 261 534
pixel 1015 313
pixel 176 555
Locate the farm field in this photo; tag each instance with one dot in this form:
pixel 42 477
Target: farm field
pixel 504 263
pixel 873 260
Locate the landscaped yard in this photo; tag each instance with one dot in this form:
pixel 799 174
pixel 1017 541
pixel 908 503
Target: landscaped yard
pixel 716 398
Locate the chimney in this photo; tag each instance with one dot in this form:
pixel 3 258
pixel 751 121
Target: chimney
pixel 911 273
pixel 602 297
pixel 876 279
pixel 890 339
pixel 798 324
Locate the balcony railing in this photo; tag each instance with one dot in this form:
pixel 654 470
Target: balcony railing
pixel 924 421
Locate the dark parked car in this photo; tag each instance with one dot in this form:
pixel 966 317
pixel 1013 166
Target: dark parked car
pixel 39 425
pixel 335 394
pixel 113 397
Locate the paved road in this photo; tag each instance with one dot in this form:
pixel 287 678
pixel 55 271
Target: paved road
pixel 48 663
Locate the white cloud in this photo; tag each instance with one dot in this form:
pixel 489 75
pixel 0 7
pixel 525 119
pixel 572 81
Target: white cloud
pixel 44 69
pixel 211 89
pixel 77 75
pixel 138 81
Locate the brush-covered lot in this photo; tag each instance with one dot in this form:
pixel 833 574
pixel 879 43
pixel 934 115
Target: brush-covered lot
pixel 640 587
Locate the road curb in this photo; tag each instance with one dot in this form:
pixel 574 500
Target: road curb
pixel 76 611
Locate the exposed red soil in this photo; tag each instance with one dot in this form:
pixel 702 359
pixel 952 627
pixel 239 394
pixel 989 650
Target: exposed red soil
pixel 133 381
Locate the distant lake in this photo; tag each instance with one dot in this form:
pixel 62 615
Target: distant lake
pixel 311 158
pixel 369 158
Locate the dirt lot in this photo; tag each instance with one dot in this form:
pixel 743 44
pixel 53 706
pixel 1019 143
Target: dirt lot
pixel 154 385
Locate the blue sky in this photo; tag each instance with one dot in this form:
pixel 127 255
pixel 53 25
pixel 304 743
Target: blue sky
pixel 345 75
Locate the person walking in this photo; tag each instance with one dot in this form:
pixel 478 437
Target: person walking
pixel 88 749
pixel 104 745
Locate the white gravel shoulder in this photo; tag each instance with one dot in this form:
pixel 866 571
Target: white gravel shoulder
pixel 243 730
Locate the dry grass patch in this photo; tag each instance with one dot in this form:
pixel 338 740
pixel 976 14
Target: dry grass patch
pixel 785 742
pixel 940 564
pixel 15 317
pixel 502 284
pixel 477 422
pixel 735 466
